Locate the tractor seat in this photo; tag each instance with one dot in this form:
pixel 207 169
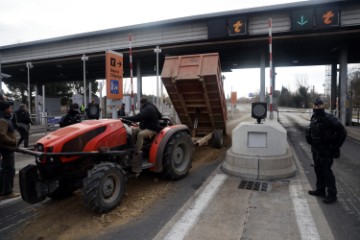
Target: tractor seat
pixel 164 122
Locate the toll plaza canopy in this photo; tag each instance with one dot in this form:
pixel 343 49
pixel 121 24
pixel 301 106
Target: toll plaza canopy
pixel 304 33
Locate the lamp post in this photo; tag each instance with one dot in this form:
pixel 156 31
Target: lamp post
pixel 84 58
pixel 29 66
pixel 157 51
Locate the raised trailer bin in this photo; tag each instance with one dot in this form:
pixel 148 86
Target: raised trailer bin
pixel 195 87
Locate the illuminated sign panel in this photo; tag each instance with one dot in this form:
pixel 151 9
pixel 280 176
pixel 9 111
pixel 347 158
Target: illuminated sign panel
pixel 237 26
pixel 327 17
pixel 302 20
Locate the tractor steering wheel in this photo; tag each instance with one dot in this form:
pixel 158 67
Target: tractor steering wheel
pixel 129 123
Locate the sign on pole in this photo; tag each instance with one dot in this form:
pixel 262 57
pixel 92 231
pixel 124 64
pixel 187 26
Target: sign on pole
pixel 233 98
pixel 114 75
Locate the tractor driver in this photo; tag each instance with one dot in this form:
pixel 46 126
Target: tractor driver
pixel 148 119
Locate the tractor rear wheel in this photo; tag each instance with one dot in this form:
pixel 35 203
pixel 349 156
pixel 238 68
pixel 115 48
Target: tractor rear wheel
pixel 104 187
pixel 177 156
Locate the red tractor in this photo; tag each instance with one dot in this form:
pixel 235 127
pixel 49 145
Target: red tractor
pixel 95 156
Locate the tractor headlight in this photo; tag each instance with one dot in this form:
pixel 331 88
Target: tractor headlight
pixel 39 147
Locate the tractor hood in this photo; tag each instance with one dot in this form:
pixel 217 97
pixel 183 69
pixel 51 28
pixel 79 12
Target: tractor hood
pixel 88 135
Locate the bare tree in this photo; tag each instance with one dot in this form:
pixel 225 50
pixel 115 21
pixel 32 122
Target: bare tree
pixel 302 80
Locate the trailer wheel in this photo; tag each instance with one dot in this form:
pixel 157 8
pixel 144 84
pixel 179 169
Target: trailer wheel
pixel 64 190
pixel 104 187
pixel 218 138
pixel 177 157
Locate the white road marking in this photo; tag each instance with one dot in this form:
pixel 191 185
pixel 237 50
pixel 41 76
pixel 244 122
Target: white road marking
pixel 191 216
pixel 303 214
pixel 10 200
pixel 304 218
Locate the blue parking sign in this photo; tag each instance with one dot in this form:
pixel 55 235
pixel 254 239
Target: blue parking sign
pixel 114 86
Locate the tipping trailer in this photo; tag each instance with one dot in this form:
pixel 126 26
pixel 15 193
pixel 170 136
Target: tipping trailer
pixel 195 87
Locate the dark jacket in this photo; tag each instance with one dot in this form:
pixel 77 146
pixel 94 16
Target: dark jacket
pixel 7 134
pixel 148 117
pixel 70 118
pixel 23 116
pixel 121 112
pixel 325 133
pixel 22 119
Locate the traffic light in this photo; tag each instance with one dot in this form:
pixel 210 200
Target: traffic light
pixel 258 111
pixel 93 111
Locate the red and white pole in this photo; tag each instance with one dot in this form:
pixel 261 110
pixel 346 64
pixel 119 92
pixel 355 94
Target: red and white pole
pixel 271 69
pixel 131 77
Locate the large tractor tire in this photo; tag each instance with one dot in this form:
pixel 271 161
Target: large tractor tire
pixel 104 187
pixel 177 156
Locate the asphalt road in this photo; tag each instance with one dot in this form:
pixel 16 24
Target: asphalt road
pixel 343 217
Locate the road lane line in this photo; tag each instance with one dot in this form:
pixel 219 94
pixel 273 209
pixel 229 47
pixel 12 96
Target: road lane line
pixel 304 219
pixel 191 216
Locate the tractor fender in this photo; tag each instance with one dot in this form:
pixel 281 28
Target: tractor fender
pixel 159 144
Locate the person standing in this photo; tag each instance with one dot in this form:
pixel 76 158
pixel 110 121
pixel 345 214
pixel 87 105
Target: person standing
pixel 121 111
pixel 148 119
pixel 23 121
pixel 73 116
pixel 7 147
pixel 326 135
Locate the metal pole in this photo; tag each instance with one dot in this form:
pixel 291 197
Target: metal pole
pixel 157 50
pixel 262 76
pixel 90 95
pixel 271 69
pixel 101 100
pixel 36 104
pixel 43 105
pixel 343 84
pixel 84 58
pixel 131 77
pixel 29 65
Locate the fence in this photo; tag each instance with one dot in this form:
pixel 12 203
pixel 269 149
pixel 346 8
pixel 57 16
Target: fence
pixel 355 116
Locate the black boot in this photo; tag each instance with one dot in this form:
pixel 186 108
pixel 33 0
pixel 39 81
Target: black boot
pixel 317 193
pixel 330 199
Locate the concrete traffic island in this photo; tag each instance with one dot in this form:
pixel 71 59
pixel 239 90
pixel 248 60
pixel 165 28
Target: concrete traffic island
pixel 259 151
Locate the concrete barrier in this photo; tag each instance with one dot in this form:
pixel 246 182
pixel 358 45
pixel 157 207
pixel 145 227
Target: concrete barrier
pixel 259 151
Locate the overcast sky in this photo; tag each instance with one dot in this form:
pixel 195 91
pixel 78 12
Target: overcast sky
pixel 29 20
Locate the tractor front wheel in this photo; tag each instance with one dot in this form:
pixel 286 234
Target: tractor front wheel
pixel 177 157
pixel 104 187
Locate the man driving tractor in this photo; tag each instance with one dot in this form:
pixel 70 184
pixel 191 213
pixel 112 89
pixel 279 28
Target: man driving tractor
pixel 148 119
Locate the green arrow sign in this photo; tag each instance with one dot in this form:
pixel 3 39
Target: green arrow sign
pixel 302 20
